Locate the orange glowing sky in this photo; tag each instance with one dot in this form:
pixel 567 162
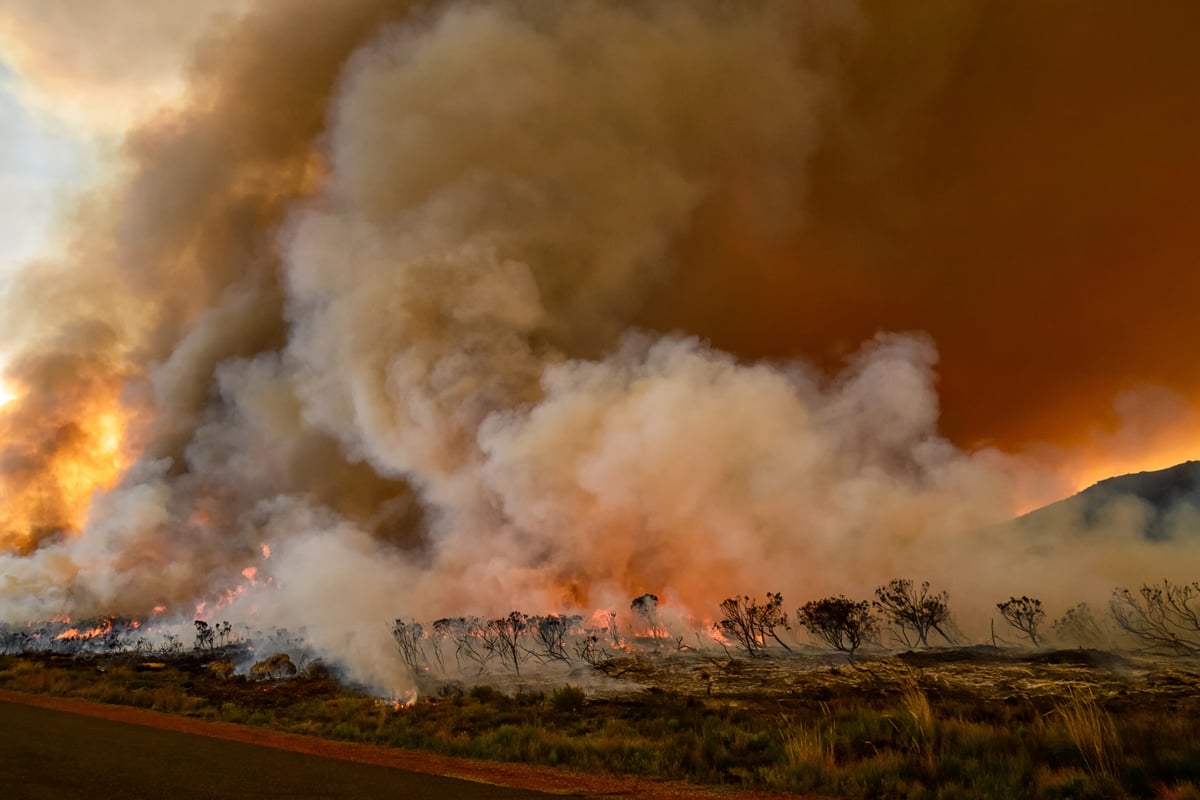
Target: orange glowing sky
pixel 1017 181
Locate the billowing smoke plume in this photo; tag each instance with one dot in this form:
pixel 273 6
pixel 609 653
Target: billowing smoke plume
pixel 378 298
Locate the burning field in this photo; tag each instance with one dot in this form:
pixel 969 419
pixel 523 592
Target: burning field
pixel 420 337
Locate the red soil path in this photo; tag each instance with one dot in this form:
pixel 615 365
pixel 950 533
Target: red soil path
pixel 519 776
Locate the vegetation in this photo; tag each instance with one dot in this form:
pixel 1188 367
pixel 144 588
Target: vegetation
pixel 889 729
pixel 1025 614
pixel 947 722
pixel 750 623
pixel 913 612
pixel 843 624
pixel 1165 617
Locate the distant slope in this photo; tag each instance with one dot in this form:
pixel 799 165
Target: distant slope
pixel 1156 503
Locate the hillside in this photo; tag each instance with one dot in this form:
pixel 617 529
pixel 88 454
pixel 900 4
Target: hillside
pixel 1160 504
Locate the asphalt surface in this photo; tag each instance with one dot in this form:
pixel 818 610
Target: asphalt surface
pixel 53 755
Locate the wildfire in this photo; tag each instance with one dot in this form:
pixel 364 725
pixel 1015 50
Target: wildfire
pixel 54 461
pixel 105 627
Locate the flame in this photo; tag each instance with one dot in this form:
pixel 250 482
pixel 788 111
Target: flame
pixel 105 627
pixel 53 459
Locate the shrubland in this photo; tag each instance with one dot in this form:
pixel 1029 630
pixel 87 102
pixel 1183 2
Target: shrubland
pixel 752 707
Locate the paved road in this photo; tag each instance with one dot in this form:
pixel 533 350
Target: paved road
pixel 53 755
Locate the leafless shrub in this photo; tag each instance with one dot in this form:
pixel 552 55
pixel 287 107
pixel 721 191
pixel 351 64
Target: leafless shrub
pixel 549 634
pixel 1079 627
pixel 750 623
pixel 468 636
pixel 205 637
pixel 408 637
pixel 503 635
pixel 1024 614
pixel 1165 617
pixel 913 611
pixel 592 648
pixel 841 623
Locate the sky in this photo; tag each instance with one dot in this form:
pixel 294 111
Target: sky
pixel 38 164
pixel 1015 185
pixel 564 303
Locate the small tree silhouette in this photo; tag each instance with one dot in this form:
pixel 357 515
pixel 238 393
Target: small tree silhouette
pixel 841 623
pixel 913 610
pixel 469 638
pixel 749 622
pixel 503 635
pixel 1025 614
pixel 549 635
pixel 646 607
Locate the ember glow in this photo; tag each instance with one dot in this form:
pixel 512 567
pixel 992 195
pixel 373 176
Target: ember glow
pixel 550 305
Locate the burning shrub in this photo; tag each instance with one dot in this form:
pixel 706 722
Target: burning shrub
pixel 749 623
pixel 646 607
pixel 549 635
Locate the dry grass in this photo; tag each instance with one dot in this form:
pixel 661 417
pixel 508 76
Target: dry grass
pixel 810 744
pixel 970 723
pixel 1090 729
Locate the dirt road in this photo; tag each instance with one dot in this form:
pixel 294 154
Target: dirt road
pixel 54 748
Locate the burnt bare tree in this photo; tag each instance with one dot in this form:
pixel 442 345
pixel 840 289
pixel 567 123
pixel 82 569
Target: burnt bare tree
pixel 1079 627
pixel 468 637
pixel 1025 614
pixel 549 634
pixel 1165 617
pixel 841 623
pixel 409 637
pixel 913 611
pixel 750 623
pixel 503 636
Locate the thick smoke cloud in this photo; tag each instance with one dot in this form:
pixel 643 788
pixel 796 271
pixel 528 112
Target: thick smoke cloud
pixel 409 299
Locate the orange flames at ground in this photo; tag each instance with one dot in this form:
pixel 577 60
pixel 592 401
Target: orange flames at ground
pixel 105 627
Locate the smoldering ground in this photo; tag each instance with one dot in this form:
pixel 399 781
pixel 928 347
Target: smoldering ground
pixel 407 292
